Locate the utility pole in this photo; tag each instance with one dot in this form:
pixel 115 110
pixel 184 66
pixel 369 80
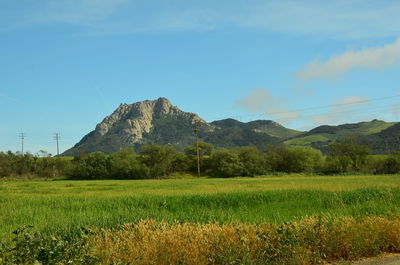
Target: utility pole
pixel 57 137
pixel 196 131
pixel 22 137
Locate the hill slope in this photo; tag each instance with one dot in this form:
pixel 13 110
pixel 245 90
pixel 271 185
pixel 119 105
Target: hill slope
pixel 322 136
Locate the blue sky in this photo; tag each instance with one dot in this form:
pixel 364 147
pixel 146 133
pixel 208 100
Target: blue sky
pixel 66 64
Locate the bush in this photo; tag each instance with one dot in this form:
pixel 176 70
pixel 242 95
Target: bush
pixel 159 159
pixel 252 160
pixel 125 164
pixel 349 154
pixel 294 159
pixel 93 166
pixel 224 163
pixel 392 164
pixel 29 247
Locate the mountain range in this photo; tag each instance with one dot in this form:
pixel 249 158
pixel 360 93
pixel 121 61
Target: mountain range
pixel 159 122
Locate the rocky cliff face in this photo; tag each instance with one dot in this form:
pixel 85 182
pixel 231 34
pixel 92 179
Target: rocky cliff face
pixel 133 121
pixel 131 125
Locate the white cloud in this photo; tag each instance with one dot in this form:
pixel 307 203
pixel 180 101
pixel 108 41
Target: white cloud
pixel 262 100
pixel 337 65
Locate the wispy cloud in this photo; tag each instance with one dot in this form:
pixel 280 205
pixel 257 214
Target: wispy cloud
pixel 83 12
pixel 337 65
pixel 272 107
pixel 4 97
pixel 343 110
pixel 341 19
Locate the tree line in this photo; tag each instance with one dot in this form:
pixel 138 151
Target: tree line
pixel 157 161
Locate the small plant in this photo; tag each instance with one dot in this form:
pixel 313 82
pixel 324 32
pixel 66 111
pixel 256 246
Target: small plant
pixel 30 247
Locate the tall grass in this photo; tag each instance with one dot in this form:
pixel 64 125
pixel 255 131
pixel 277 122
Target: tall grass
pixel 309 241
pixel 59 209
pixel 66 214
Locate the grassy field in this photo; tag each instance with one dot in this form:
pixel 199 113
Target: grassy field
pixel 65 206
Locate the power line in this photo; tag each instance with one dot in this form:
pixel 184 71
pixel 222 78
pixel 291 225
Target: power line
pixel 262 115
pixel 334 105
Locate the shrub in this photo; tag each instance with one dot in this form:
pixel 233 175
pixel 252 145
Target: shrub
pixel 93 166
pixel 294 159
pixel 29 247
pixel 224 163
pixel 350 154
pixel 159 159
pixel 252 159
pixel 125 164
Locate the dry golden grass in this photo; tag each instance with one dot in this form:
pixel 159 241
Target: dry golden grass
pixel 310 241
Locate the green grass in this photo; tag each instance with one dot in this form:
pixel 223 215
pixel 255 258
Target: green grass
pixel 65 206
pixel 307 140
pixel 364 128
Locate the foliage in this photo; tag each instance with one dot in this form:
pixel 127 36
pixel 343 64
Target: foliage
pixel 125 164
pixel 159 159
pixel 29 247
pixel 349 154
pixel 294 159
pixel 205 149
pixel 225 164
pixel 311 240
pixel 252 160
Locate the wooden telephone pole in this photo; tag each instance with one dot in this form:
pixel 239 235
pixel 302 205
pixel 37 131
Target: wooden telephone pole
pixel 196 131
pixel 57 137
pixel 22 137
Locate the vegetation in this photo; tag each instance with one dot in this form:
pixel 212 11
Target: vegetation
pixel 309 241
pixel 190 209
pixel 155 161
pixel 64 206
pixel 219 220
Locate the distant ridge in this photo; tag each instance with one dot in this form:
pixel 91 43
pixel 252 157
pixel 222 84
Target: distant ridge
pixel 159 122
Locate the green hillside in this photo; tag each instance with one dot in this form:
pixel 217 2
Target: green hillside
pixel 321 136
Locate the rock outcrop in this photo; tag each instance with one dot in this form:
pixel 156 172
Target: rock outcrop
pixel 132 125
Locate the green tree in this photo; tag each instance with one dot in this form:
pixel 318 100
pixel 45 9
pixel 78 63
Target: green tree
pixel 93 166
pixel 205 149
pixel 225 163
pixel 159 159
pixel 125 164
pixel 252 160
pixel 294 159
pixel 350 154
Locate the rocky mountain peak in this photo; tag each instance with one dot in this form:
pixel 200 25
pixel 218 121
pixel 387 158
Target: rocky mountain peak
pixel 131 121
